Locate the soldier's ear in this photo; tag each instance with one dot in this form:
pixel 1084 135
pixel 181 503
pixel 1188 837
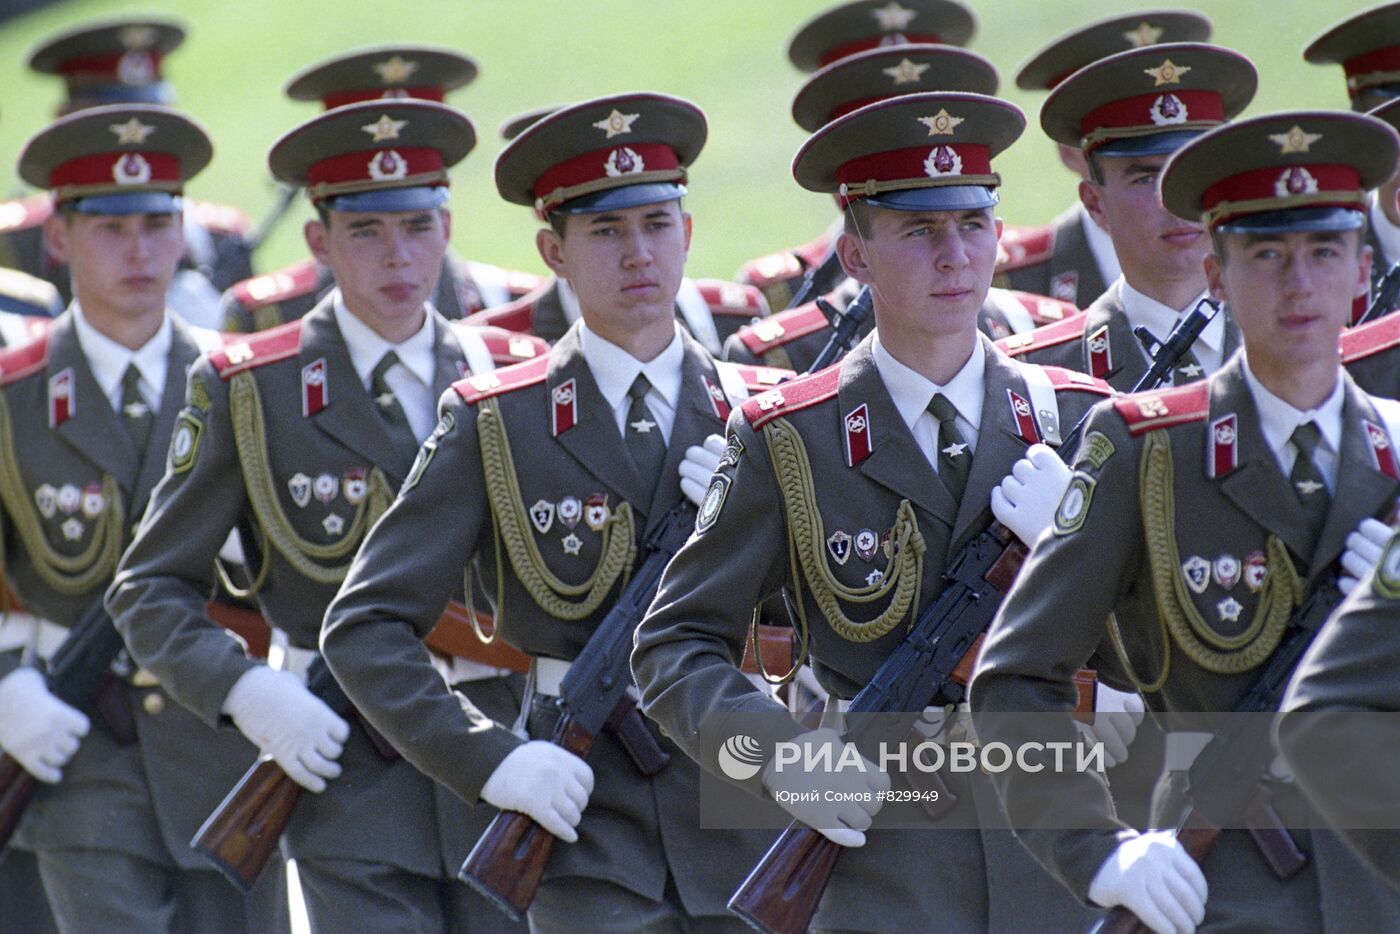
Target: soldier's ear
pixel 315 233
pixel 851 252
pixel 446 223
pixel 1214 270
pixel 689 229
pixel 56 235
pixel 1092 198
pixel 551 249
pixel 1363 282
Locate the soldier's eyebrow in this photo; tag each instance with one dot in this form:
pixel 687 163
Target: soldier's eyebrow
pixel 605 219
pixel 365 222
pixel 1143 168
pixel 415 219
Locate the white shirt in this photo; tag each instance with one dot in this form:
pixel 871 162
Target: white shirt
pixel 568 301
pixel 1277 419
pixel 411 378
pixel 1101 246
pixel 108 360
pixel 912 392
pixel 1387 234
pixel 1209 348
pixel 614 370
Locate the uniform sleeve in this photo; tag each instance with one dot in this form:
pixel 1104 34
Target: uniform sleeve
pixel 408 568
pixel 1050 625
pixel 736 351
pixel 158 596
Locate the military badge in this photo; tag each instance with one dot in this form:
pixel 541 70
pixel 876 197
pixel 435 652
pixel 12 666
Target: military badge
pixel 1167 110
pixel 184 443
pixel 1382 451
pixel 1025 419
pixel 570 511
pixel 573 545
pixel 596 512
pixel 46 499
pixel 565 407
pixel 1065 286
pixel 326 487
pixel 1224 446
pixel 542 516
pixel 1226 571
pixel 623 161
pixel 1256 570
pixel 387 166
pixel 72 529
pixel 354 485
pixel 857 435
pixel 718 401
pixel 712 503
pixel 299 487
pixel 70 499
pixel 1295 181
pixel 1387 578
pixel 838 545
pixel 1229 610
pixel 874 578
pixel 867 543
pixel 1074 505
pixel 770 400
pixel 943 160
pixel 732 449
pixel 1196 571
pixel 93 500
pixel 313 387
pixel 333 524
pixel 131 169
pixel 1100 354
pixel 1095 450
pixel 62 404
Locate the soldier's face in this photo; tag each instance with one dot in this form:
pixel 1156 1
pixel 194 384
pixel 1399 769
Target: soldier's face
pixel 387 264
pixel 1153 245
pixel 1290 292
pixel 119 263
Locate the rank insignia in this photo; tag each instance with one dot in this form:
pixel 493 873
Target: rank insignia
pixel 1074 505
pixel 1026 427
pixel 354 485
pixel 1256 570
pixel 299 486
pixel 1229 610
pixel 839 546
pixel 874 578
pixel 596 512
pixel 184 443
pixel 326 487
pixel 857 425
pixel 72 529
pixel 770 400
pixel 1100 354
pixel 570 511
pixel 718 401
pixel 1096 450
pixel 1387 578
pixel 1224 446
pixel 1382 451
pixel 70 499
pixel 867 543
pixel 46 499
pixel 542 516
pixel 93 500
pixel 1196 571
pixel 313 387
pixel 732 449
pixel 1226 571
pixel 573 545
pixel 62 404
pixel 333 524
pixel 712 503
pixel 564 410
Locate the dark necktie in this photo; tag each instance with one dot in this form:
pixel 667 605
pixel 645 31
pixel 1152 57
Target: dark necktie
pixel 136 411
pixel 643 434
pixel 400 432
pixel 1307 479
pixel 954 455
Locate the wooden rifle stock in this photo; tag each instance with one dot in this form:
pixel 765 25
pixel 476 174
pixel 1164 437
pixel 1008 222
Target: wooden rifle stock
pixel 781 894
pixel 241 834
pixel 16 788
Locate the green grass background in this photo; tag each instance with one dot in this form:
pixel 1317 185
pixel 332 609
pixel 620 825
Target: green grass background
pixel 729 56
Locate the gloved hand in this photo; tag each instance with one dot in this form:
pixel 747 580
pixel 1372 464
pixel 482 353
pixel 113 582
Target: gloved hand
pixel 1153 876
pixel 698 466
pixel 1363 551
pixel 1026 500
pixel 543 781
pixel 857 795
pixel 40 731
pixel 276 712
pixel 1116 718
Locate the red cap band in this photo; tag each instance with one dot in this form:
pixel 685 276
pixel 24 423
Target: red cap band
pixel 137 169
pixel 1379 60
pixel 1255 189
pixel 919 162
pixel 110 65
pixel 615 162
pixel 1159 111
pixel 847 49
pixel 425 93
pixel 375 165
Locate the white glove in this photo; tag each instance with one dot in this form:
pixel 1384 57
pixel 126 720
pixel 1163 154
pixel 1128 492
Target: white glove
pixel 698 466
pixel 40 731
pixel 855 795
pixel 1026 500
pixel 543 781
pixel 289 723
pixel 1363 551
pixel 1153 876
pixel 1116 718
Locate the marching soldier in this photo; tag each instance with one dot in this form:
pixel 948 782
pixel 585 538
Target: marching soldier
pixel 915 433
pixel 379 72
pixel 547 476
pixel 1129 112
pixel 1072 257
pixel 298 437
pixel 1198 518
pixel 86 414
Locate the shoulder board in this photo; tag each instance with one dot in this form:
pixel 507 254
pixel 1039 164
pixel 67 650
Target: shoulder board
pixel 1165 408
pixel 1051 335
pixel 25 360
pixel 793 396
pixel 290 282
pixel 508 347
pixel 782 328
pixel 1065 380
pixel 814 251
pixel 1024 246
pixel 517 315
pixel 255 350
pixel 498 382
pixel 761 378
pixel 29 289
pixel 1043 309
pixel 1370 339
pixel 23 213
pixel 218 218
pixel 731 298
pixel 771 269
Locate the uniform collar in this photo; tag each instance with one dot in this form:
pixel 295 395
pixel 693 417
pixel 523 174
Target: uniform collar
pixel 1161 319
pixel 367 348
pixel 1387 234
pixel 912 391
pixel 1278 419
pixel 614 369
pixel 108 359
pixel 1101 246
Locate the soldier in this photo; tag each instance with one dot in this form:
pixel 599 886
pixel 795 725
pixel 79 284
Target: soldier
pixel 882 441
pixel 1072 257
pixel 1369 350
pixel 566 464
pixel 112 62
pixel 1129 112
pixel 1199 517
pixel 94 401
pixel 298 437
pixel 386 71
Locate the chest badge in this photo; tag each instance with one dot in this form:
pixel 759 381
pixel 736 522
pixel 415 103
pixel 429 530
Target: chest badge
pixel 313 387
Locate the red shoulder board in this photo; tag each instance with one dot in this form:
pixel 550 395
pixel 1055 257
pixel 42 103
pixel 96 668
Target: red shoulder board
pixel 782 328
pixel 1024 246
pixel 485 385
pixel 290 282
pixel 218 218
pixel 814 251
pixel 771 269
pixel 517 315
pixel 508 347
pixel 1051 335
pixel 520 283
pixel 761 378
pixel 793 396
pixel 731 298
pixel 25 360
pixel 254 350
pixel 1371 338
pixel 1165 408
pixel 23 213
pixel 1065 380
pixel 1043 309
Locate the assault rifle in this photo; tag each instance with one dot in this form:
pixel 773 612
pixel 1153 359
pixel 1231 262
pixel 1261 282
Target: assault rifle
pixel 1387 295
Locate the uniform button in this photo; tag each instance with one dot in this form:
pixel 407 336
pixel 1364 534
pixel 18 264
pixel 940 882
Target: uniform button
pixel 154 703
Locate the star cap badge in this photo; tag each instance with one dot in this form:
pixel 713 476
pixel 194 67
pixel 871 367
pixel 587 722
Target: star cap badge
pixel 906 72
pixel 893 17
pixel 1295 140
pixel 617 123
pixel 131 133
pixel 1167 73
pixel 1144 34
pixel 941 123
pixel 384 128
pixel 395 70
